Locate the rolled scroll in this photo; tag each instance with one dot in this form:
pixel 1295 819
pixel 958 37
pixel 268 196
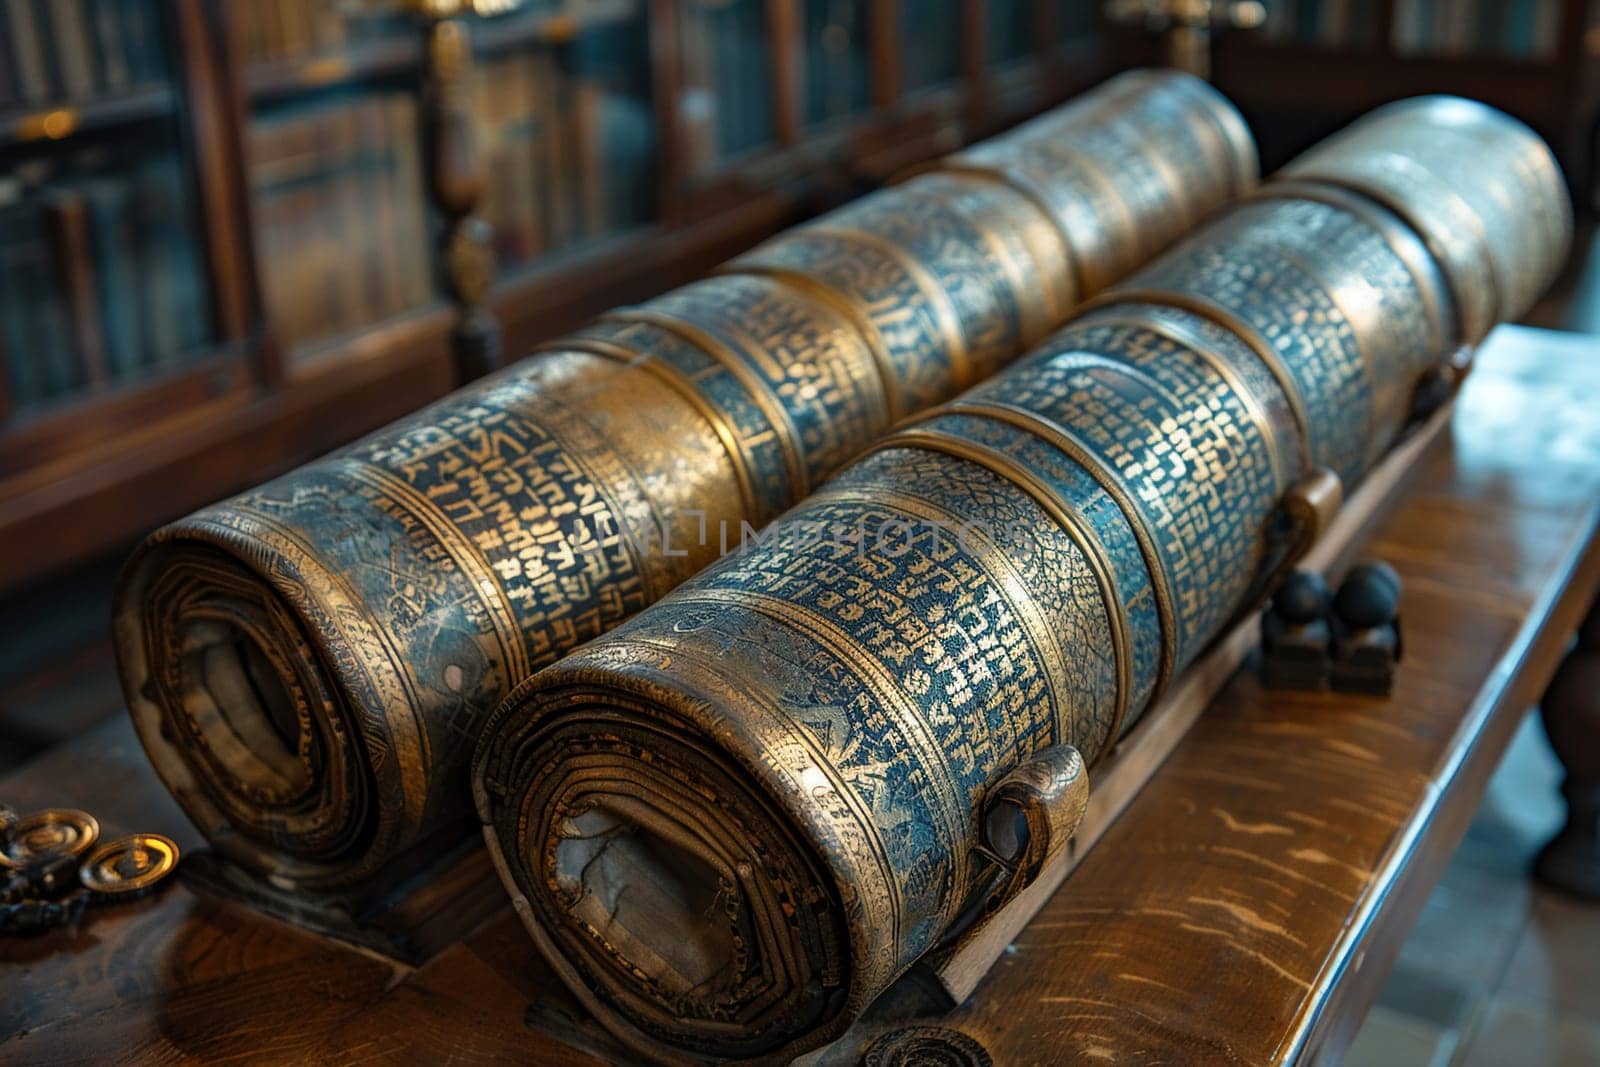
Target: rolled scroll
pixel 308 664
pixel 733 821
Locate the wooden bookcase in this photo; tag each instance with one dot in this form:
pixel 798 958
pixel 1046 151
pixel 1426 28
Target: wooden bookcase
pixel 88 470
pixel 1317 64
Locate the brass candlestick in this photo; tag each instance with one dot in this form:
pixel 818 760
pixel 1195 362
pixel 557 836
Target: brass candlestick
pixel 1188 25
pixel 456 176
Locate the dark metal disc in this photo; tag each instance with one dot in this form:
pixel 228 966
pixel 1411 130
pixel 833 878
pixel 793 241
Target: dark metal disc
pixel 48 835
pixel 129 866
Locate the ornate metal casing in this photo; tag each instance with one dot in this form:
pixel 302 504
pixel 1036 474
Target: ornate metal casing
pixel 735 819
pixel 308 664
pixel 1338 299
pixel 1082 177
pixel 1480 187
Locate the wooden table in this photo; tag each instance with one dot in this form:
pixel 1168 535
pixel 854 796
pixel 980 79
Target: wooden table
pixel 1245 907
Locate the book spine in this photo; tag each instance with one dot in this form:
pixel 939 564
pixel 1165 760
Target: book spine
pixel 530 189
pixel 74 49
pixel 111 240
pixel 110 50
pixel 410 202
pixel 152 223
pixel 381 246
pixel 67 224
pixel 565 226
pixel 15 327
pixel 595 182
pixel 263 151
pixel 10 92
pixel 33 77
pixel 142 30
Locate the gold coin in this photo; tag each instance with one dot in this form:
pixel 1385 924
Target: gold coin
pixel 46 835
pixel 129 866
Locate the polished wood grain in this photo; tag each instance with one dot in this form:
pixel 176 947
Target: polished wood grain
pixel 1244 908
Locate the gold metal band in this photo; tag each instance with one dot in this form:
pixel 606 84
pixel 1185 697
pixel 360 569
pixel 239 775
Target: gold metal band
pixel 1363 352
pixel 464 553
pixel 1023 281
pixel 678 382
pixel 995 563
pixel 389 672
pixel 1196 344
pixel 1177 194
pixel 1089 166
pixel 1237 145
pixel 885 687
pixel 778 418
pixel 1479 233
pixel 1425 272
pixel 1020 185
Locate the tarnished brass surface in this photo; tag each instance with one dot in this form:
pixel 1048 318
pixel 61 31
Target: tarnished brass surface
pixel 309 664
pixel 129 867
pixel 41 836
pixel 813 741
pixel 1101 183
pixel 1031 813
pixel 1481 188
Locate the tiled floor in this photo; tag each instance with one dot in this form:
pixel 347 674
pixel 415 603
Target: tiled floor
pixel 1496 972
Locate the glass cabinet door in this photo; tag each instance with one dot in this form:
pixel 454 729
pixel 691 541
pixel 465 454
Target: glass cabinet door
pixel 563 102
pixel 930 43
pixel 837 63
pixel 335 167
pixel 1077 21
pixel 1011 28
pixel 725 102
pixel 103 275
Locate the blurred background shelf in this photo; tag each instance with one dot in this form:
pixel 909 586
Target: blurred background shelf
pixel 1317 64
pixel 232 235
pixel 219 240
pixel 21 124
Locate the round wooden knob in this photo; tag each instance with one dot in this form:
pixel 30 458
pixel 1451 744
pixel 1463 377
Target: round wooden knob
pixel 1369 595
pixel 1302 598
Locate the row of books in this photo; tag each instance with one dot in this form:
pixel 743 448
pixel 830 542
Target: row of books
pixel 569 155
pixel 342 225
pixel 289 30
pixel 341 230
pixel 293 30
pixel 1521 28
pixel 1328 22
pixel 1525 29
pixel 58 51
pixel 101 279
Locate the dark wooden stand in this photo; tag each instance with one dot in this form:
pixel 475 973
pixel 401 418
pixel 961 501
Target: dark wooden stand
pixel 1571 713
pixel 1245 906
pixel 426 903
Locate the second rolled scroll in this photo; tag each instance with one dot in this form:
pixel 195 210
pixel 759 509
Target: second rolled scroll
pixel 733 821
